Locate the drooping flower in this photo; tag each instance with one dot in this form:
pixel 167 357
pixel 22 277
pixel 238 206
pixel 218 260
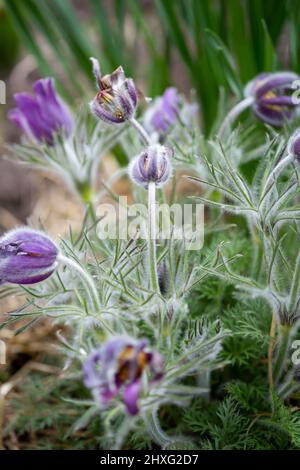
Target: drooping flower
pixel 162 112
pixel 43 114
pixel 27 256
pixel 273 102
pixel 117 367
pixel 152 165
pixel 117 98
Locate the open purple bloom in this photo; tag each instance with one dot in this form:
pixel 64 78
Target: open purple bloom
pixel 43 114
pixel 273 102
pixel 26 256
pixel 117 367
pixel 163 112
pixel 152 165
pixel 117 98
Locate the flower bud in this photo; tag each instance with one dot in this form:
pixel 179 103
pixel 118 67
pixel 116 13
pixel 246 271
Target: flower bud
pixel 27 256
pixel 163 112
pixel 152 165
pixel 272 100
pixel 42 115
pixel 117 367
pixel 117 98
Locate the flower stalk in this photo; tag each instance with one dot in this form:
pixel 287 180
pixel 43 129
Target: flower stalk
pixel 282 352
pixel 140 129
pixel 86 279
pixel 234 113
pixel 152 237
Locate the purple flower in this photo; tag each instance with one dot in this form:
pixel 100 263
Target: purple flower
pixel 152 165
pixel 26 256
pixel 163 112
pixel 117 98
pixel 117 367
pixel 272 100
pixel 43 114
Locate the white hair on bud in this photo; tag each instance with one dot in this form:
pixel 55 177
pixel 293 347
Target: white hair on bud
pixel 96 70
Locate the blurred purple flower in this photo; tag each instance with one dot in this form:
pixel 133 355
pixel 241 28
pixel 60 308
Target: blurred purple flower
pixel 26 256
pixel 163 112
pixel 43 114
pixel 117 98
pixel 272 100
pixel 118 366
pixel 152 165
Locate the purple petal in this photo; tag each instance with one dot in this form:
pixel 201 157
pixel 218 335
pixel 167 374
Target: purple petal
pixel 270 116
pixel 30 109
pixel 129 83
pixel 273 81
pixel 130 396
pixel 107 116
pixel 26 256
pixel 278 101
pixel 55 113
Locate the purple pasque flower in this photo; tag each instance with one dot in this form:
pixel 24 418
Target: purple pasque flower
pixel 163 112
pixel 273 102
pixel 27 256
pixel 43 114
pixel 117 367
pixel 152 165
pixel 117 98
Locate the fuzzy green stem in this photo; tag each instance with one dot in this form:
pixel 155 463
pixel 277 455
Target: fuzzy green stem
pixel 282 352
pixel 152 237
pixel 87 196
pixel 143 133
pixel 234 113
pixel 85 278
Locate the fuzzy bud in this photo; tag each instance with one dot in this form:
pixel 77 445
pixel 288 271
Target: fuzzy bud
pixel 117 98
pixel 273 102
pixel 152 165
pixel 27 256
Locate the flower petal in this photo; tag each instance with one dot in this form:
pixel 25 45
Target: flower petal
pixel 131 395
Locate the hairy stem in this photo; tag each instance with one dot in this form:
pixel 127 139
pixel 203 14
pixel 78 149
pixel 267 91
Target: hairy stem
pixel 152 237
pixel 271 350
pixel 85 278
pixel 234 113
pixel 143 133
pixel 282 352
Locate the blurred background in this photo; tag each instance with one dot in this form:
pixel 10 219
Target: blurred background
pixel 212 47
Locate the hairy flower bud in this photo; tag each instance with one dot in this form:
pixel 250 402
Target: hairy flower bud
pixel 27 256
pixel 163 112
pixel 118 366
pixel 152 165
pixel 272 100
pixel 117 97
pixel 43 114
